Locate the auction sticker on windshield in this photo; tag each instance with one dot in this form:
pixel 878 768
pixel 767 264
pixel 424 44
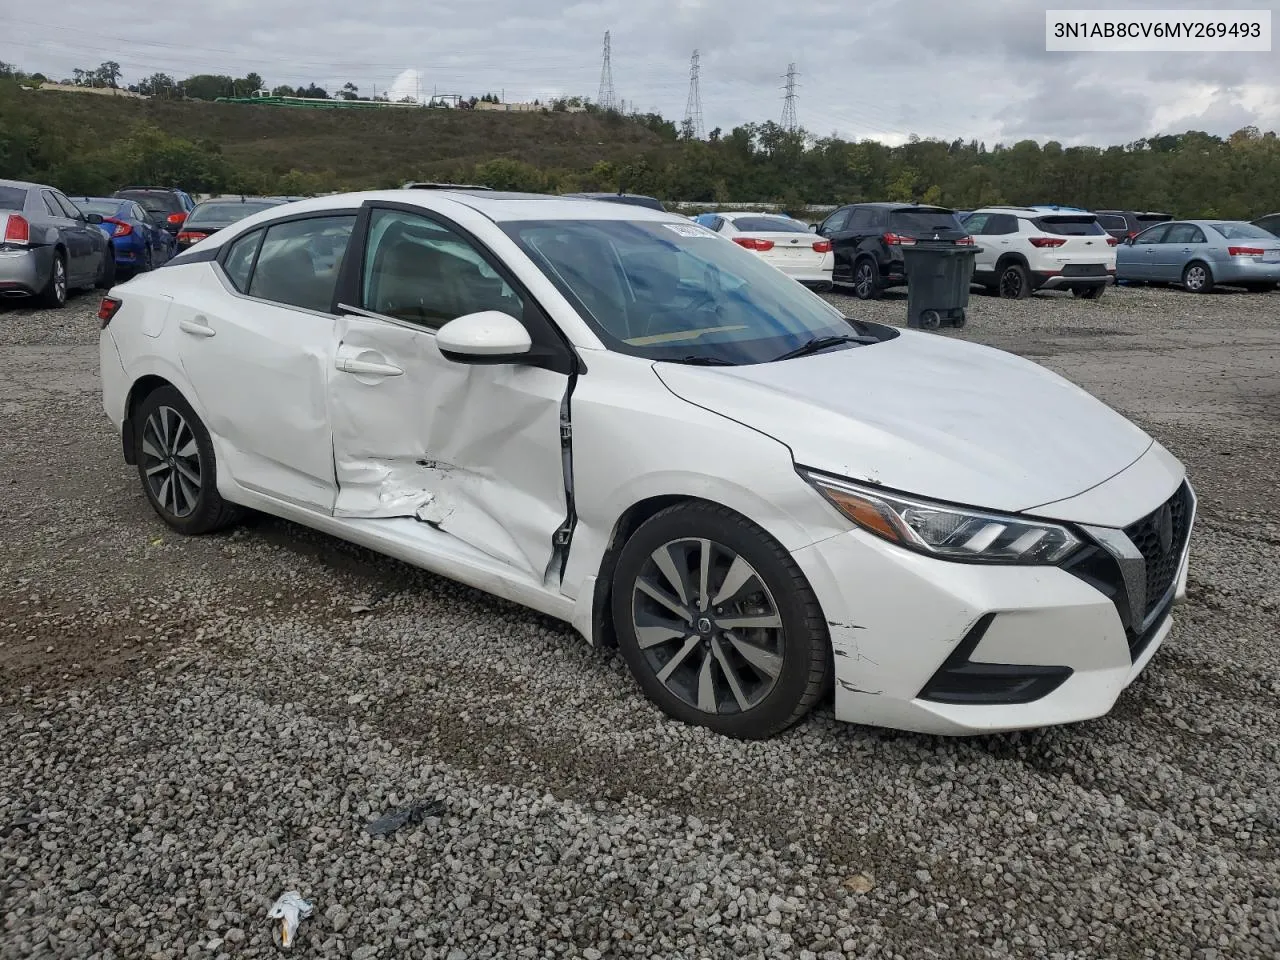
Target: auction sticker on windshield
pixel 689 230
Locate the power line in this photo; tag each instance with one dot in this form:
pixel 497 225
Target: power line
pixel 693 109
pixel 607 99
pixel 789 122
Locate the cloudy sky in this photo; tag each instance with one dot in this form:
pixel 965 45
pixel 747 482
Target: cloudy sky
pixel 943 68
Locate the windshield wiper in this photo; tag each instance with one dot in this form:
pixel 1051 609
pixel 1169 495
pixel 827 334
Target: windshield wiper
pixel 820 343
pixel 704 361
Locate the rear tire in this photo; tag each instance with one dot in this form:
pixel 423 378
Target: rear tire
pixel 748 653
pixel 866 279
pixel 54 294
pixel 176 465
pixel 1197 277
pixel 1014 282
pixel 1089 293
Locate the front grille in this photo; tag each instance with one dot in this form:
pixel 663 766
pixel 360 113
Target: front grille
pixel 1160 537
pixel 1084 270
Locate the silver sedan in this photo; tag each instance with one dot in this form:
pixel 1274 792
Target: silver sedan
pixel 48 245
pixel 1201 253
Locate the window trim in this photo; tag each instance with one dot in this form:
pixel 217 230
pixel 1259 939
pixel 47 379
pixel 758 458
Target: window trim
pixel 551 348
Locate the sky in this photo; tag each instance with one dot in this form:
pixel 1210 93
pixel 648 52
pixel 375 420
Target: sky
pixel 975 69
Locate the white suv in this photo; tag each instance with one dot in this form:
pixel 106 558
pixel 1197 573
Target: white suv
pixel 1023 249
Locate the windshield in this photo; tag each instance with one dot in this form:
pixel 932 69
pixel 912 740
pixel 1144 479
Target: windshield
pixel 225 213
pixel 12 198
pixel 769 225
pixel 1242 231
pixel 104 208
pixel 676 291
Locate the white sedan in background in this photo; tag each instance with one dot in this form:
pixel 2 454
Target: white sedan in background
pixel 780 242
pixel 612 416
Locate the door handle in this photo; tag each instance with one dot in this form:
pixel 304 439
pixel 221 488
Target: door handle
pixel 197 327
pixel 368 368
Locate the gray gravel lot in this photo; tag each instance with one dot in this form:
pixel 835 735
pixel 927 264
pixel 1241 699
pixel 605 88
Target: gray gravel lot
pixel 189 728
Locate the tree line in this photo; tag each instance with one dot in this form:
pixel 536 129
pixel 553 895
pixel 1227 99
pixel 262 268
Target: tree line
pixel 1188 174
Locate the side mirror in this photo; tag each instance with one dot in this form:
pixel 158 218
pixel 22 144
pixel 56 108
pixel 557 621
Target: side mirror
pixel 813 228
pixel 94 218
pixel 486 337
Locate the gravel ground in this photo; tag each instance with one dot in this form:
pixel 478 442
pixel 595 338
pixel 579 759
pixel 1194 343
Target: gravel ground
pixel 189 728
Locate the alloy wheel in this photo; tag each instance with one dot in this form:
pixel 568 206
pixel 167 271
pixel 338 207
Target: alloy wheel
pixel 707 626
pixel 59 280
pixel 864 280
pixel 1194 278
pixel 1011 283
pixel 171 461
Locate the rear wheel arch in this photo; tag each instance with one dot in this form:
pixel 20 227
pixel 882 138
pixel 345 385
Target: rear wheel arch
pixel 142 388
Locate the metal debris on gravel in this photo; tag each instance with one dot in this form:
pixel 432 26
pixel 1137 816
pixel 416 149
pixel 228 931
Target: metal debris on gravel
pixel 189 726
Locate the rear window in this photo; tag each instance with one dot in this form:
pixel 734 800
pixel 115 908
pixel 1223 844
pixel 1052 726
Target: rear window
pixel 104 208
pixel 153 202
pixel 770 225
pixel 1112 221
pixel 225 213
pixel 920 222
pixel 12 198
pixel 1070 226
pixel 1146 219
pixel 1241 231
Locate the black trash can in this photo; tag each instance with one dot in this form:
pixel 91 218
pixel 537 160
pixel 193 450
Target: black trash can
pixel 938 278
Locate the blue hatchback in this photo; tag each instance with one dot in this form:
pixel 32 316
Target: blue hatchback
pixel 141 242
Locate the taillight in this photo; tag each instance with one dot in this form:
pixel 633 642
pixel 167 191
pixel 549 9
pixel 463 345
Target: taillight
pixel 822 246
pixel 1245 251
pixel 1132 234
pixel 753 243
pixel 965 241
pixel 1047 241
pixel 1112 242
pixel 17 230
pixel 177 218
pixel 122 229
pixel 898 240
pixel 191 236
pixel 108 309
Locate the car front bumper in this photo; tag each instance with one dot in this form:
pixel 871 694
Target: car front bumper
pixel 24 271
pixel 950 648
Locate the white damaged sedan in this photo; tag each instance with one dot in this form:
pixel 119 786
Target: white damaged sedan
pixel 610 415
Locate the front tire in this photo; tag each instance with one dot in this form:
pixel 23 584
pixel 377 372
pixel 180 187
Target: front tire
pixel 717 623
pixel 1197 277
pixel 176 465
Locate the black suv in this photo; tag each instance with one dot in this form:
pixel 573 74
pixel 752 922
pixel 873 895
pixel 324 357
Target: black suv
pixel 1269 223
pixel 166 206
pixel 867 239
pixel 1125 224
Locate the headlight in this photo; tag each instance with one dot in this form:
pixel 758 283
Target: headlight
pixel 945 531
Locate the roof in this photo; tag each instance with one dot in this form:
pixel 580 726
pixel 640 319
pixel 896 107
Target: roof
pixel 24 184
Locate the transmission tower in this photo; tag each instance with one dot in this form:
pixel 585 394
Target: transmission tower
pixel 607 99
pixel 693 109
pixel 789 122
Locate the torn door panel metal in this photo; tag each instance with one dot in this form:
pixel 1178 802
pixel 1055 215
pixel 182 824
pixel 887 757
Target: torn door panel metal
pixel 471 449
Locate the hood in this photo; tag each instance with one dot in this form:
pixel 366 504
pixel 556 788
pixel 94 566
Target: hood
pixel 928 415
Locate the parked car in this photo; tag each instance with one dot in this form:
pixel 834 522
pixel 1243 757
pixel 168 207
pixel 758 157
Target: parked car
pixel 140 240
pixel 867 241
pixel 1123 224
pixel 780 241
pixel 210 216
pixel 1269 223
pixel 1022 250
pixel 168 204
pixel 634 199
pixel 48 245
pixel 1198 254
pixel 1054 208
pixel 756 498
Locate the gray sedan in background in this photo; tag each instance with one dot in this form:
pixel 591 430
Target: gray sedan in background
pixel 48 245
pixel 1201 253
